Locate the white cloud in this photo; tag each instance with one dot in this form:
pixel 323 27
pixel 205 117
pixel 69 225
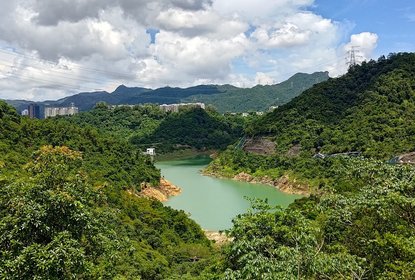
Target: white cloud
pixel 260 10
pixel 296 30
pixel 51 48
pixel 364 43
pixel 180 60
pixel 200 23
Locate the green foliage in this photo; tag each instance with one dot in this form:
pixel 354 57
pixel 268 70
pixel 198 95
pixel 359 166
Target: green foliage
pixel 259 98
pixel 71 212
pixel 369 109
pixel 367 233
pixel 194 128
pixel 284 245
pixel 48 228
pixel 147 125
pixel 106 158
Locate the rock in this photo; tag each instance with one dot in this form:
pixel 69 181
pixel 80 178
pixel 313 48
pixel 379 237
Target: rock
pixel 408 158
pixel 286 185
pixel 259 146
pixel 160 193
pixel 168 188
pixel 294 151
pixel 244 177
pixel 154 193
pixel 220 238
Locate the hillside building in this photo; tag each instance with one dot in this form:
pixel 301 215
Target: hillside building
pixel 176 107
pixel 61 111
pixel 150 151
pixel 33 111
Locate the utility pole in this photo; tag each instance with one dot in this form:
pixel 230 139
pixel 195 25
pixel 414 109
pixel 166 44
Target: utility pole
pixel 352 56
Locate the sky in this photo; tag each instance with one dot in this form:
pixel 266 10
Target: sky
pixel 50 49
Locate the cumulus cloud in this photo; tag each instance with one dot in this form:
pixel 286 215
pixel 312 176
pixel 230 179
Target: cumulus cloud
pixel 179 59
pixel 49 48
pixel 260 10
pixel 199 23
pixel 296 30
pixel 364 43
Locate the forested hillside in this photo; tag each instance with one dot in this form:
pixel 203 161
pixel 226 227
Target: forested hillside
pixel 69 208
pixel 259 98
pixel 366 232
pixel 371 110
pixel 68 188
pixel 357 222
pixel 223 98
pixel 147 125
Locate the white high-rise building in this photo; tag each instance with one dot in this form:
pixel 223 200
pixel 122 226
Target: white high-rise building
pixel 61 111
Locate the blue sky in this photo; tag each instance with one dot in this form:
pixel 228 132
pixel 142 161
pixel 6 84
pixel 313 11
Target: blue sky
pixel 50 50
pixel 392 20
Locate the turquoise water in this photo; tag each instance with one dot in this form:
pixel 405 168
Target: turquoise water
pixel 213 202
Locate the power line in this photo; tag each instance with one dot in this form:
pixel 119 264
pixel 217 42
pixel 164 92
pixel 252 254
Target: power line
pixel 51 82
pixel 88 69
pixel 55 73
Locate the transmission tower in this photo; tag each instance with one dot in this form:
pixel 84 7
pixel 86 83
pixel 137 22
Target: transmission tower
pixel 353 56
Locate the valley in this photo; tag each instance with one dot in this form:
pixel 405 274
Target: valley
pixel 71 203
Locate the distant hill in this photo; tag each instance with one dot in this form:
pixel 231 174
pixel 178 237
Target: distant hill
pixel 371 110
pixel 224 98
pixel 260 98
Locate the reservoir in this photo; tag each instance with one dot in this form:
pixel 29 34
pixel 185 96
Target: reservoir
pixel 213 202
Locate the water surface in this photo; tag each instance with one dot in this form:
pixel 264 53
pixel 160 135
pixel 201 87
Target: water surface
pixel 213 202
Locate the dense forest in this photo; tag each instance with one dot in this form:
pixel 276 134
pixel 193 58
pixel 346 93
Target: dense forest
pixel 358 221
pixel 69 209
pixel 365 231
pixel 370 110
pixel 68 188
pixel 148 126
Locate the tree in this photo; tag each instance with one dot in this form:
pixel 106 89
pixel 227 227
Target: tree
pixel 48 228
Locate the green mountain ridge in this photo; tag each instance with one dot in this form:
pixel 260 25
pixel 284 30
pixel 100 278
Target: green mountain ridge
pixel 371 109
pixel 224 98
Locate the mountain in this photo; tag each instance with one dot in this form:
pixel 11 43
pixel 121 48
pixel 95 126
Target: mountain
pixel 224 98
pixel 259 98
pixel 371 110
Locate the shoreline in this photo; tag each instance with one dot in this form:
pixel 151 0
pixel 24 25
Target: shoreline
pixel 283 184
pixel 162 193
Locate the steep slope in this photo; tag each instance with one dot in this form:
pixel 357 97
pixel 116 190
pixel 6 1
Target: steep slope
pixel 371 109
